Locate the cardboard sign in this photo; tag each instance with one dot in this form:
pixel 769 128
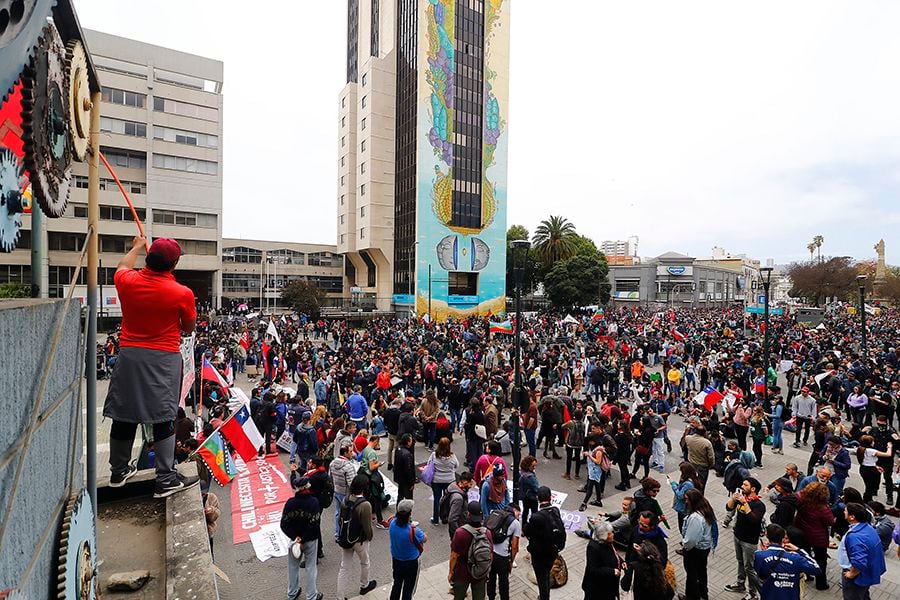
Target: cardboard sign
pixel 284 442
pixel 269 542
pixel 187 367
pixel 258 494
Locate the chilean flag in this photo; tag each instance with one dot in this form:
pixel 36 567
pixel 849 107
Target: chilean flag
pixel 209 373
pixel 245 340
pixel 243 434
pixel 677 335
pixel 710 396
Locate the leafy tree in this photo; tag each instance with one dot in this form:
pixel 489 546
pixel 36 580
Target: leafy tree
pixel 554 240
pixel 14 290
pixel 578 281
pixel 585 246
pixel 303 297
pixel 515 233
pixel 817 281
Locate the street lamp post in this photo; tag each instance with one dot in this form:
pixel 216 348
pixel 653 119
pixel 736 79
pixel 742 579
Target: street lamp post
pixel 766 273
pixel 520 250
pixel 861 280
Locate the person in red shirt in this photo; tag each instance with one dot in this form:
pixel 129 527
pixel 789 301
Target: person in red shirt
pixel 146 384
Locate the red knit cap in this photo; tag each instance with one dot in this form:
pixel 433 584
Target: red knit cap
pixel 167 248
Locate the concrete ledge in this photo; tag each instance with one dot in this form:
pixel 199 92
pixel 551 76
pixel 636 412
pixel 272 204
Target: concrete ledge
pixel 189 566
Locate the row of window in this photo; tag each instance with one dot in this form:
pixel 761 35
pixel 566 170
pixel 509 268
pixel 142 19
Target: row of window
pixel 132 187
pixel 168 134
pixel 166 105
pixel 108 213
pixel 191 219
pixel 182 163
pixel 243 254
pixel 248 283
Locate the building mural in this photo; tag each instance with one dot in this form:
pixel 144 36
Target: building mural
pixel 448 250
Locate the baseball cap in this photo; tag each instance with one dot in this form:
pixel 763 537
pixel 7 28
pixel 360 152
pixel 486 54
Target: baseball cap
pixel 406 505
pixel 167 249
pixel 804 389
pixel 475 509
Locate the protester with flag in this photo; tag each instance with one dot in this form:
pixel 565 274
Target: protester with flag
pixel 218 459
pixel 504 327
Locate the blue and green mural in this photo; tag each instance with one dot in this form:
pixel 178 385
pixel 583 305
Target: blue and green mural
pixel 444 246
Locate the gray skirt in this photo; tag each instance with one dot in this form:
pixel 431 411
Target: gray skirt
pixel 145 386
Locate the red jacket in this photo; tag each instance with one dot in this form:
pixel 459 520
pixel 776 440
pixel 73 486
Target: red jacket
pixel 815 522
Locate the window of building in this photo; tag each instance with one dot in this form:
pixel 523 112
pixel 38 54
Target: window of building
pixel 343 197
pixel 70 242
pixel 132 187
pixel 343 179
pixel 16 273
pixel 241 254
pixel 110 213
pixel 365 79
pixel 342 219
pixel 363 102
pixel 198 247
pixel 131 159
pixel 182 163
pixel 189 138
pixel 343 158
pixel 284 256
pixel 343 121
pixel 362 146
pixel 343 141
pixel 189 219
pixel 462 284
pixel 362 211
pixel 362 124
pixel 327 284
pixel 344 102
pixel 185 109
pixel 362 167
pixel 362 233
pixel 324 259
pixel 362 190
pixel 123 97
pixel 628 285
pixel 123 127
pixel 343 238
pixel 240 282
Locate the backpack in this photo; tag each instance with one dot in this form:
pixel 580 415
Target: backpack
pixel 557 527
pixel 327 495
pixel 444 507
pixel 786 413
pixel 499 522
pixel 349 526
pixel 306 440
pixel 481 553
pixel 576 436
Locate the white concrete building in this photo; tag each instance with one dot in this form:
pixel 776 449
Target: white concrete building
pixel 161 130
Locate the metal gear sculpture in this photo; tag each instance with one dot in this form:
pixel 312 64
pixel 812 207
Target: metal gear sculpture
pixel 45 124
pixel 78 551
pixel 13 202
pixel 79 101
pixel 24 21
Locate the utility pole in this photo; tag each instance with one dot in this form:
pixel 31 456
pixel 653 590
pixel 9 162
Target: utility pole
pixel 519 396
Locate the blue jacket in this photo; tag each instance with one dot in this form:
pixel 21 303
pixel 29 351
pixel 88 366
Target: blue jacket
pixel 842 463
pixel 320 391
pixel 780 570
pixel 486 505
pixel 680 490
pixel 832 489
pixel 357 407
pixel 864 550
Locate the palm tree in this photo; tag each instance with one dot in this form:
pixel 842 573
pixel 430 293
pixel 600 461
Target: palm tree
pixel 818 240
pixel 812 249
pixel 554 240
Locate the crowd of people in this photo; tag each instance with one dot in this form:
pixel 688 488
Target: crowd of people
pixel 597 396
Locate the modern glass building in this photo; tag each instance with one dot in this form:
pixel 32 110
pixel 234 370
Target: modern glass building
pixel 423 132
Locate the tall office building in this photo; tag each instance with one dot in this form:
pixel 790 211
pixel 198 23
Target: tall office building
pixel 161 130
pixel 423 154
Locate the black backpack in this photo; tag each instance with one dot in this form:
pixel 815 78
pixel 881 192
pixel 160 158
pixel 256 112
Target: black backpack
pixel 349 526
pixel 498 522
pixel 557 527
pixel 446 500
pixel 327 495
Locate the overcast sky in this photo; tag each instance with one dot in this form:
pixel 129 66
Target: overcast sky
pixel 688 124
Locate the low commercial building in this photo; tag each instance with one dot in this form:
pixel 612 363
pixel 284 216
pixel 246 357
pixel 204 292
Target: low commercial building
pixel 255 271
pixel 676 279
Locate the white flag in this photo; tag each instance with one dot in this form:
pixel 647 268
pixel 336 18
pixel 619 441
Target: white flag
pixel 822 376
pixel 271 331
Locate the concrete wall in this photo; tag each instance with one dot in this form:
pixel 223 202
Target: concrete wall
pixel 26 330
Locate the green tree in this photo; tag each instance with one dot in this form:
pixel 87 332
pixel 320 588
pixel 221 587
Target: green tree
pixel 578 281
pixel 14 290
pixel 515 233
pixel 303 297
pixel 554 240
pixel 816 281
pixel 585 246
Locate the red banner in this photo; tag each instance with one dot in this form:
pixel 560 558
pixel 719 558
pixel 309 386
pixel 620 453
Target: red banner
pixel 258 494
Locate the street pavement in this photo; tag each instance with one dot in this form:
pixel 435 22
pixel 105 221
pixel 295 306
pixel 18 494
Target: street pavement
pixel 250 578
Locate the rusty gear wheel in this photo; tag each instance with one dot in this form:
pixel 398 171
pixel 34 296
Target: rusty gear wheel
pixel 23 21
pixel 79 100
pixel 45 124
